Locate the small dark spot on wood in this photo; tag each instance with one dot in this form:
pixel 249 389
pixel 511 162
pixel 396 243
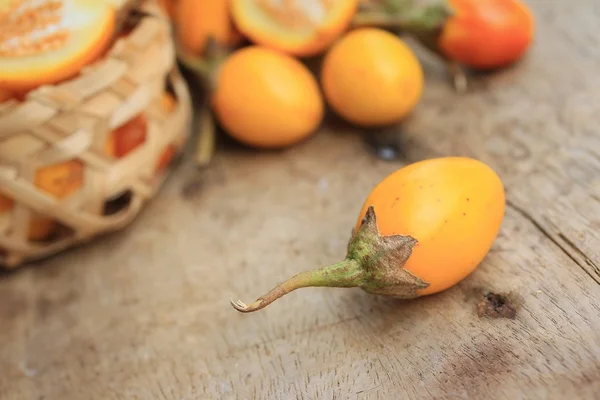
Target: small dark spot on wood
pixel 192 189
pixel 13 304
pixel 397 198
pixel 464 214
pixel 45 305
pixel 468 199
pixel 496 305
pixel 421 187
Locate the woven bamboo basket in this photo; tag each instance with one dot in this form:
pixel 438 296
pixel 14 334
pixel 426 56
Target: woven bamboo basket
pixel 72 121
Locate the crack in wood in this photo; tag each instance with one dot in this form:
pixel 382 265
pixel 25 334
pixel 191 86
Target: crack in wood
pixel 562 242
pixel 575 248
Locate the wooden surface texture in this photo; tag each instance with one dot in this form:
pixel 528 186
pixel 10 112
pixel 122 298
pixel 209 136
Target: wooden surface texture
pixel 145 314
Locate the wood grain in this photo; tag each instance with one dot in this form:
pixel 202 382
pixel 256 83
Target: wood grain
pixel 144 314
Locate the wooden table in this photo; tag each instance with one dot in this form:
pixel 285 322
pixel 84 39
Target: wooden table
pixel 145 314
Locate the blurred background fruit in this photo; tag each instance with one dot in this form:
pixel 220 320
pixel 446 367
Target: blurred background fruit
pixel 487 34
pixel 197 20
pixel 480 35
pixel 379 87
pixel 267 99
pixel 369 76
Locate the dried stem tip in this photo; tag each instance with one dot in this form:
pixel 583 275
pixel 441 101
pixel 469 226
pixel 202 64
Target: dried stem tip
pixel 373 263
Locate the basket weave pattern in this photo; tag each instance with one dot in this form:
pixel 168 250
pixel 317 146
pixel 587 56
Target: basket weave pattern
pixel 73 120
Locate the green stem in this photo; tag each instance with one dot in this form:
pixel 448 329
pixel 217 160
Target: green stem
pixel 205 146
pixel 343 274
pixel 430 19
pixel 458 76
pixel 205 66
pixel 373 263
pixel 195 64
pixel 378 19
pixel 396 6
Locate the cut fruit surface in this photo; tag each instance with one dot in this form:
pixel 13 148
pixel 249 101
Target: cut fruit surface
pixel 168 102
pixel 5 95
pixel 165 158
pixel 297 27
pixel 127 137
pixel 5 203
pixel 59 180
pixel 47 41
pixel 168 6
